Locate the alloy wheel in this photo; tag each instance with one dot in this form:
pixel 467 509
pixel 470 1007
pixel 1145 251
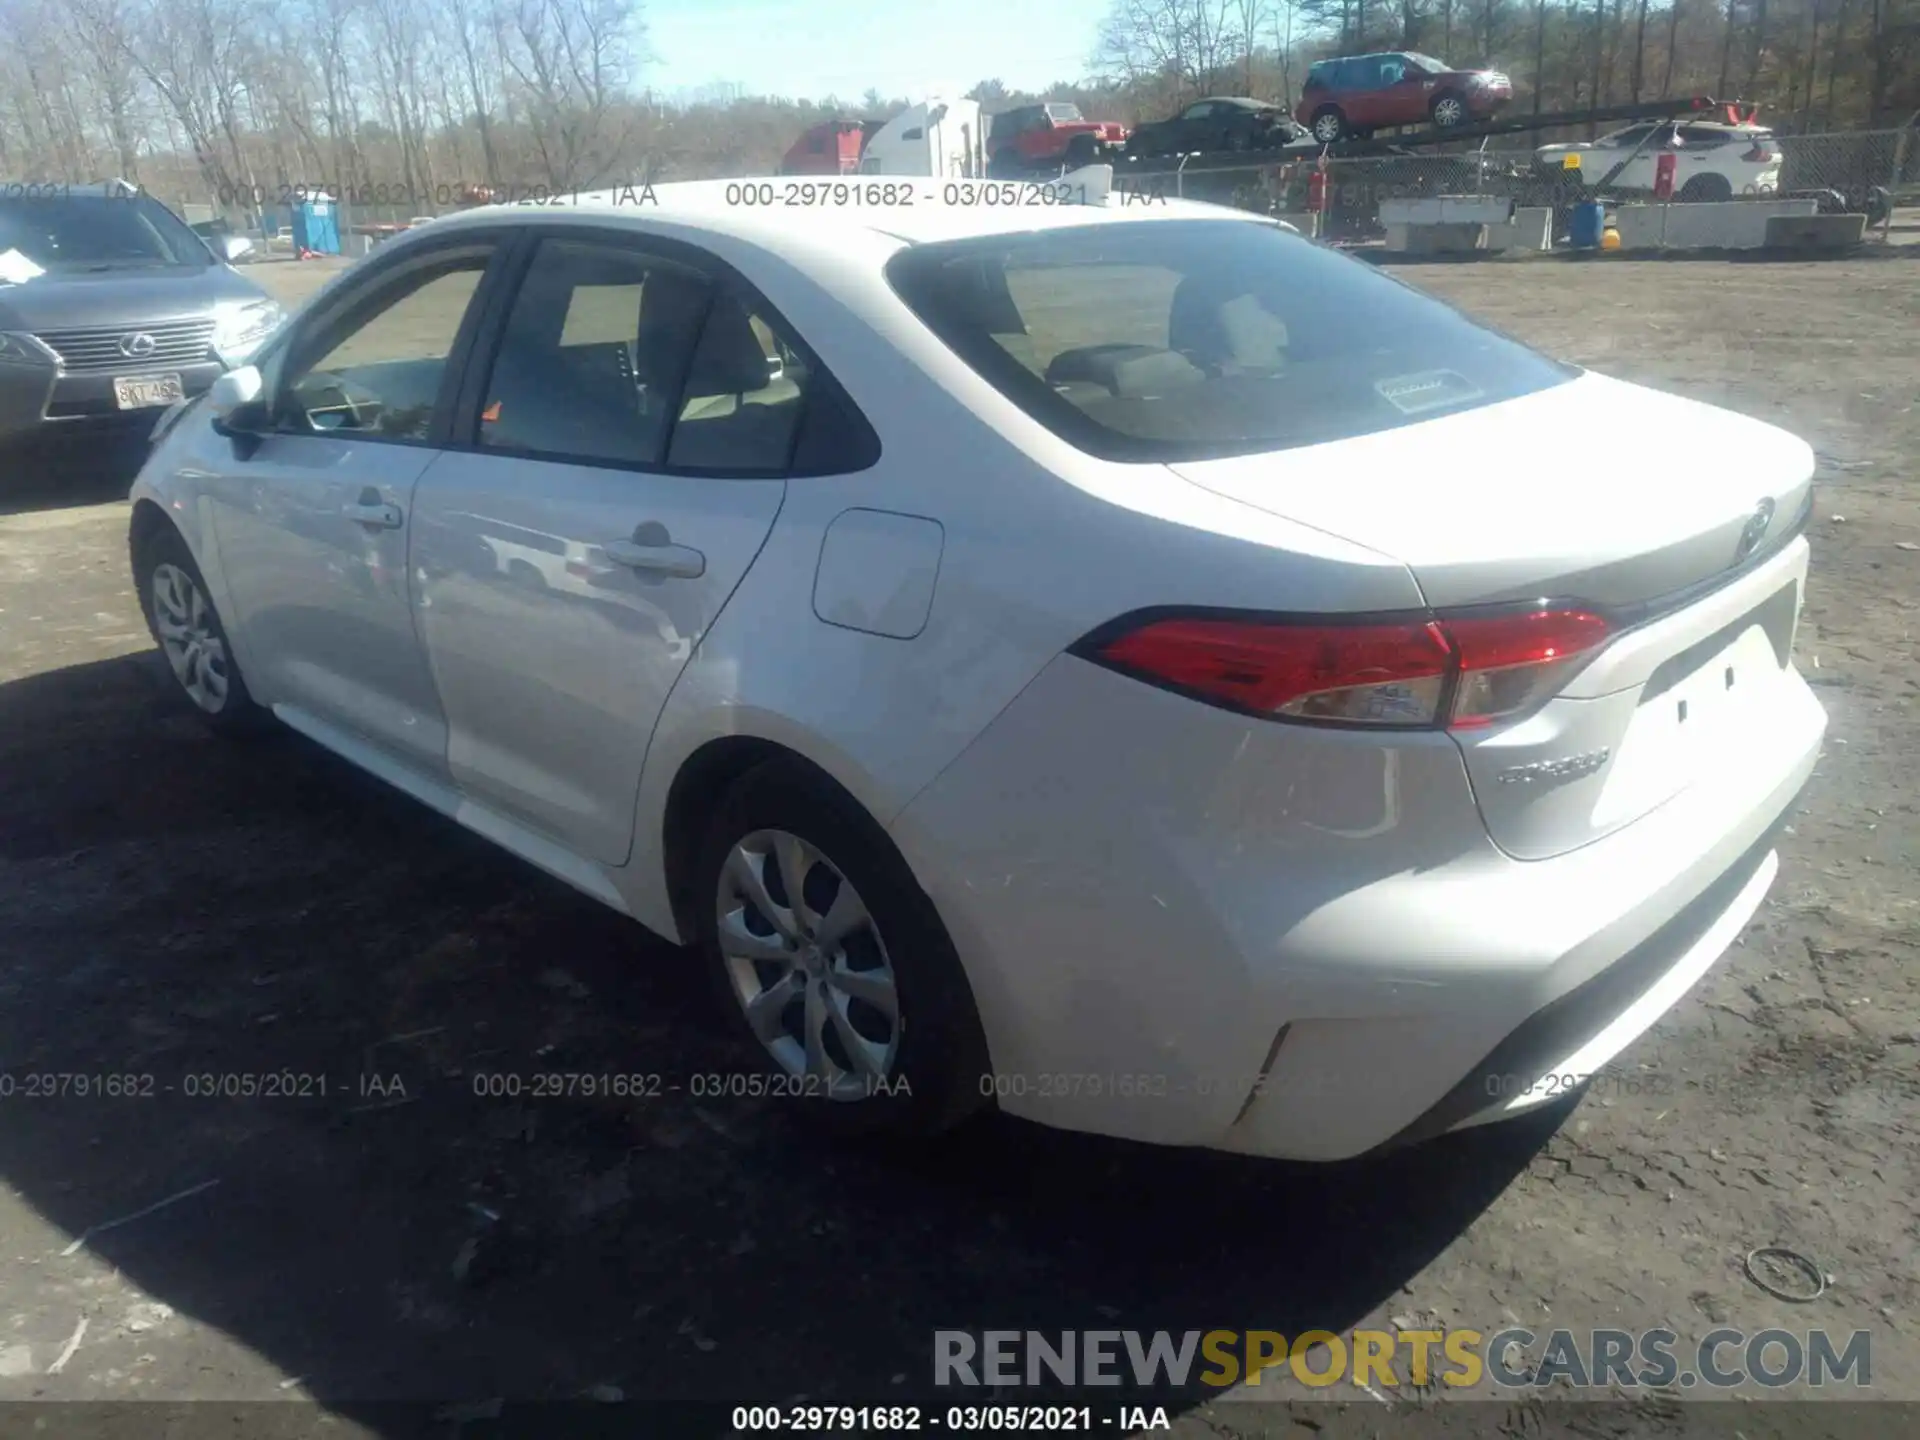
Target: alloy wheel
pixel 189 637
pixel 1449 112
pixel 807 964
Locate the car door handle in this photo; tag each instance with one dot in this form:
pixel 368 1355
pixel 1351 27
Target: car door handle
pixel 678 560
pixel 386 517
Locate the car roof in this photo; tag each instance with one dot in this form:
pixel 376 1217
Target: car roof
pixel 701 207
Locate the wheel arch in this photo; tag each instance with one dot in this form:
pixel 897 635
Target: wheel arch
pixel 704 776
pixel 148 519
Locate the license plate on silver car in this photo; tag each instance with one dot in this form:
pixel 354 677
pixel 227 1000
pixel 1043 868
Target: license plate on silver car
pixel 135 392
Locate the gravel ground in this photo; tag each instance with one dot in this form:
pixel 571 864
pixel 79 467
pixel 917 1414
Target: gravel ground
pixel 177 907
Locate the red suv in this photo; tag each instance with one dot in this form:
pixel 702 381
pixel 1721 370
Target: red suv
pixel 1358 94
pixel 1056 133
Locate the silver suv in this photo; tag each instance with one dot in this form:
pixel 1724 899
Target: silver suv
pixel 111 309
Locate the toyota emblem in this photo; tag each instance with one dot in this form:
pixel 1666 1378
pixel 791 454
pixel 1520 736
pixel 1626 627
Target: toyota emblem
pixel 1754 531
pixel 138 345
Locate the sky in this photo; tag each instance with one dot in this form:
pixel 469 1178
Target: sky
pixel 809 49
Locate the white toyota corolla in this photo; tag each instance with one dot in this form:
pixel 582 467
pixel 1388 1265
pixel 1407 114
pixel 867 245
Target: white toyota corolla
pixel 1119 662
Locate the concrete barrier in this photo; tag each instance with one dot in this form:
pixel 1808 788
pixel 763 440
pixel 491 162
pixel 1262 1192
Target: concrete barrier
pixel 1447 210
pixel 1450 224
pixel 1531 228
pixel 1816 232
pixel 1722 225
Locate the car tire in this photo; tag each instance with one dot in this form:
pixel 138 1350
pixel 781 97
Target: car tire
pixel 1706 188
pixel 1448 110
pixel 1081 150
pixel 930 1054
pixel 192 638
pixel 1003 165
pixel 1329 124
pixel 1235 140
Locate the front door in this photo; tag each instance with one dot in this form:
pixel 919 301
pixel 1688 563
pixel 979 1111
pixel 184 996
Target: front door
pixel 312 518
pixel 628 451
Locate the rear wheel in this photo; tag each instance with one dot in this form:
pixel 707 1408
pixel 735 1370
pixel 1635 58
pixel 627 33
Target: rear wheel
pixel 173 596
pixel 1003 165
pixel 1081 150
pixel 1706 188
pixel 833 962
pixel 1329 124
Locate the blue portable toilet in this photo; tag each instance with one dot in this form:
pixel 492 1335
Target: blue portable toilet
pixel 1588 225
pixel 316 225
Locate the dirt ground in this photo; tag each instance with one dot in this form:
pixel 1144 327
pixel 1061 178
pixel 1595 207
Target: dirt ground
pixel 178 907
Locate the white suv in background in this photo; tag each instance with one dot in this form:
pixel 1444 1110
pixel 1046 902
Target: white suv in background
pixel 1714 159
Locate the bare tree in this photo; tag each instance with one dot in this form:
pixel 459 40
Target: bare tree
pixel 572 61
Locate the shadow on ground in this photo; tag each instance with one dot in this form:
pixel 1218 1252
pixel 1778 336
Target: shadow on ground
pixel 70 477
pixel 174 906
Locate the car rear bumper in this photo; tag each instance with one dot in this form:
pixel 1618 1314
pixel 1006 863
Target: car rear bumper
pixel 1191 928
pixel 42 406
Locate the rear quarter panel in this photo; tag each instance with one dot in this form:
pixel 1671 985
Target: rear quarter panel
pixel 1040 545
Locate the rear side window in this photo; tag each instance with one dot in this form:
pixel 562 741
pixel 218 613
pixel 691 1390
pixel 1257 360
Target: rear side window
pixel 1188 339
pixel 743 397
pixel 594 354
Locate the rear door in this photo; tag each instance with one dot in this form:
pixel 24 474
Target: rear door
pixel 1190 130
pixel 1404 90
pixel 1362 101
pixel 633 412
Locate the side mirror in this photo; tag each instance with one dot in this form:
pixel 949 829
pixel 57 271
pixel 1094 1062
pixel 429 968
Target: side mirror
pixel 236 402
pixel 234 248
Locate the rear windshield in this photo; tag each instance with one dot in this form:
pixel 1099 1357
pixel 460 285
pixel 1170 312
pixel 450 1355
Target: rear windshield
pixel 97 232
pixel 1188 339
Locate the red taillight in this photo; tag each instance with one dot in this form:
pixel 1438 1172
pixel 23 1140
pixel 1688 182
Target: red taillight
pixel 1510 663
pixel 1463 672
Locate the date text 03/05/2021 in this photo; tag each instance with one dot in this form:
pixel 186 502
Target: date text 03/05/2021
pixel 954 1419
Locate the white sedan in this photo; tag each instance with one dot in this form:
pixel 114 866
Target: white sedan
pixel 1712 159
pixel 1120 663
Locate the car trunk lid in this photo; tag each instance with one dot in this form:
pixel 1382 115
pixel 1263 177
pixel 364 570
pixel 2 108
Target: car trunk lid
pixel 1667 516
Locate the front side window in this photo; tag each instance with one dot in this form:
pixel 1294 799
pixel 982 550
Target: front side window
pixel 380 368
pixel 1065 114
pixel 1628 138
pixel 1186 339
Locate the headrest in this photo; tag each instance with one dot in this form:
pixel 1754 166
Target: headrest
pixel 730 359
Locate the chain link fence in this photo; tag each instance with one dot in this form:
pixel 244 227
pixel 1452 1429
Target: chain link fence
pixel 1864 171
